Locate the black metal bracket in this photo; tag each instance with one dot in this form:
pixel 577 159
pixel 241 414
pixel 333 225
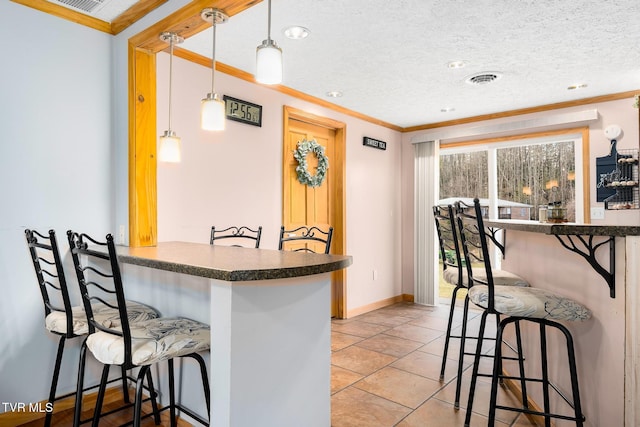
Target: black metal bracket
pixel 588 250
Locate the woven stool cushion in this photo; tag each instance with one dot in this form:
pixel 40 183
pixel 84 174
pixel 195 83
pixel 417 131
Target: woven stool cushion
pixel 56 321
pixel 152 341
pixel 530 302
pixel 500 277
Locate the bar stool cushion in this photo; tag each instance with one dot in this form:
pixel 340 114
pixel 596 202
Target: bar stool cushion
pixel 56 321
pixel 500 277
pixel 152 341
pixel 530 302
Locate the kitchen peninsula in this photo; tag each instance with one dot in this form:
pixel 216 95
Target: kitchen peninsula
pixel 269 313
pixel 596 265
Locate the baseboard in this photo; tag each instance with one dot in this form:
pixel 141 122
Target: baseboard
pixel 407 297
pixel 17 418
pixel 515 389
pixel 374 306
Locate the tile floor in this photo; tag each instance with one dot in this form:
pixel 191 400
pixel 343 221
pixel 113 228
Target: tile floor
pixel 386 369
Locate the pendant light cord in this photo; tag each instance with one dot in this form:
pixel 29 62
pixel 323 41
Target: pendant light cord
pixel 269 23
pixel 213 56
pixel 170 75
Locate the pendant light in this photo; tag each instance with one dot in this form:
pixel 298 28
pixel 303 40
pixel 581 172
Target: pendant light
pixel 269 59
pixel 212 111
pixel 170 144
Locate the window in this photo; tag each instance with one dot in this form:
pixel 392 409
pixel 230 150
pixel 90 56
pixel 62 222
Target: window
pixel 522 174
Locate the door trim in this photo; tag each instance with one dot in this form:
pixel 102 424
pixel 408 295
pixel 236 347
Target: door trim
pixel 339 240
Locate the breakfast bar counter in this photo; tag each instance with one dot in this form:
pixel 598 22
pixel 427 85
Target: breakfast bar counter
pixel 270 320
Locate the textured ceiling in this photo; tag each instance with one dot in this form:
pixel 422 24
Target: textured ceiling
pixel 389 58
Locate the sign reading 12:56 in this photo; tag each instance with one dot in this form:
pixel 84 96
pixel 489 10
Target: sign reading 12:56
pixel 243 111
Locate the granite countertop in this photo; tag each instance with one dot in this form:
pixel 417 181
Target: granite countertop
pixel 566 228
pixel 230 264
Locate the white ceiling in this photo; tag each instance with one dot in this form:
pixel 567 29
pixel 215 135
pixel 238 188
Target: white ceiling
pixel 389 58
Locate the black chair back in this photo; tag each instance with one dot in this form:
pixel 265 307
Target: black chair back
pixel 306 236
pixel 450 250
pixel 237 234
pixel 473 239
pixel 47 264
pixel 98 271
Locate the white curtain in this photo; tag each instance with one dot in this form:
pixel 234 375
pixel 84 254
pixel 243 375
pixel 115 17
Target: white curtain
pixel 426 187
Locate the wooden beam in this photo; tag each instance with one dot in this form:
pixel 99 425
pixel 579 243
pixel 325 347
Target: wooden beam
pixel 186 22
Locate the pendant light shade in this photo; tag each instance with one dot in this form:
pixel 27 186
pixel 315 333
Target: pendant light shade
pixel 269 59
pixel 170 144
pixel 170 148
pixel 212 114
pixel 212 111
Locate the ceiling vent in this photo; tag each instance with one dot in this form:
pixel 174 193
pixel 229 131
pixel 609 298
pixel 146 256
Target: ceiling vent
pixel 483 78
pixel 83 5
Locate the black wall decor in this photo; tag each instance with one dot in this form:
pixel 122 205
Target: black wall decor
pixel 370 142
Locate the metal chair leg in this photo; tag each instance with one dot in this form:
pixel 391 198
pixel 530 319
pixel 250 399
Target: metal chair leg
pixel 54 380
pixel 463 340
pixel 448 334
pixel 103 386
pixel 80 384
pixel 523 383
pixel 172 394
pixel 137 406
pixel 476 365
pixel 125 388
pixel 497 370
pixel 545 375
pixel 153 395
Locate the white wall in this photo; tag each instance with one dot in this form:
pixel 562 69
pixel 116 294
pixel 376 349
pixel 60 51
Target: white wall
pixel 235 177
pixel 55 172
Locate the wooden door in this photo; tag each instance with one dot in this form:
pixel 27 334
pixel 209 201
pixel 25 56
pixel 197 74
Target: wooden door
pixel 321 206
pixel 309 205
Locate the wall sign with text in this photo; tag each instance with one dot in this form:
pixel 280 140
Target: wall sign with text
pixel 243 111
pixel 370 142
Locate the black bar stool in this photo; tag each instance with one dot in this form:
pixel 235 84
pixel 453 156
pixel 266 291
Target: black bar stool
pixel 63 319
pixel 235 235
pixel 305 236
pixel 517 304
pixel 131 345
pixel 455 273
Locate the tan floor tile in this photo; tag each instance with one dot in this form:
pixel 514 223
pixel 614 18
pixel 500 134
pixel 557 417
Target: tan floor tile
pixel 427 365
pixel 356 408
pixel 415 333
pixel 399 386
pixel 342 378
pixel 361 360
pixel 358 328
pixel 404 310
pixel 390 345
pixel 436 413
pixel 340 340
pixel 381 318
pixel 433 322
pixel 481 399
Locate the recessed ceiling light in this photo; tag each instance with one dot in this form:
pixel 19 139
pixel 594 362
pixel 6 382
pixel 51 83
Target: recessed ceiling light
pixel 577 86
pixel 456 64
pixel 296 32
pixel 447 109
pixel 334 94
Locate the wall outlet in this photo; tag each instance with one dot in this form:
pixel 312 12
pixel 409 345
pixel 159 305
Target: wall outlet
pixel 597 213
pixel 121 235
